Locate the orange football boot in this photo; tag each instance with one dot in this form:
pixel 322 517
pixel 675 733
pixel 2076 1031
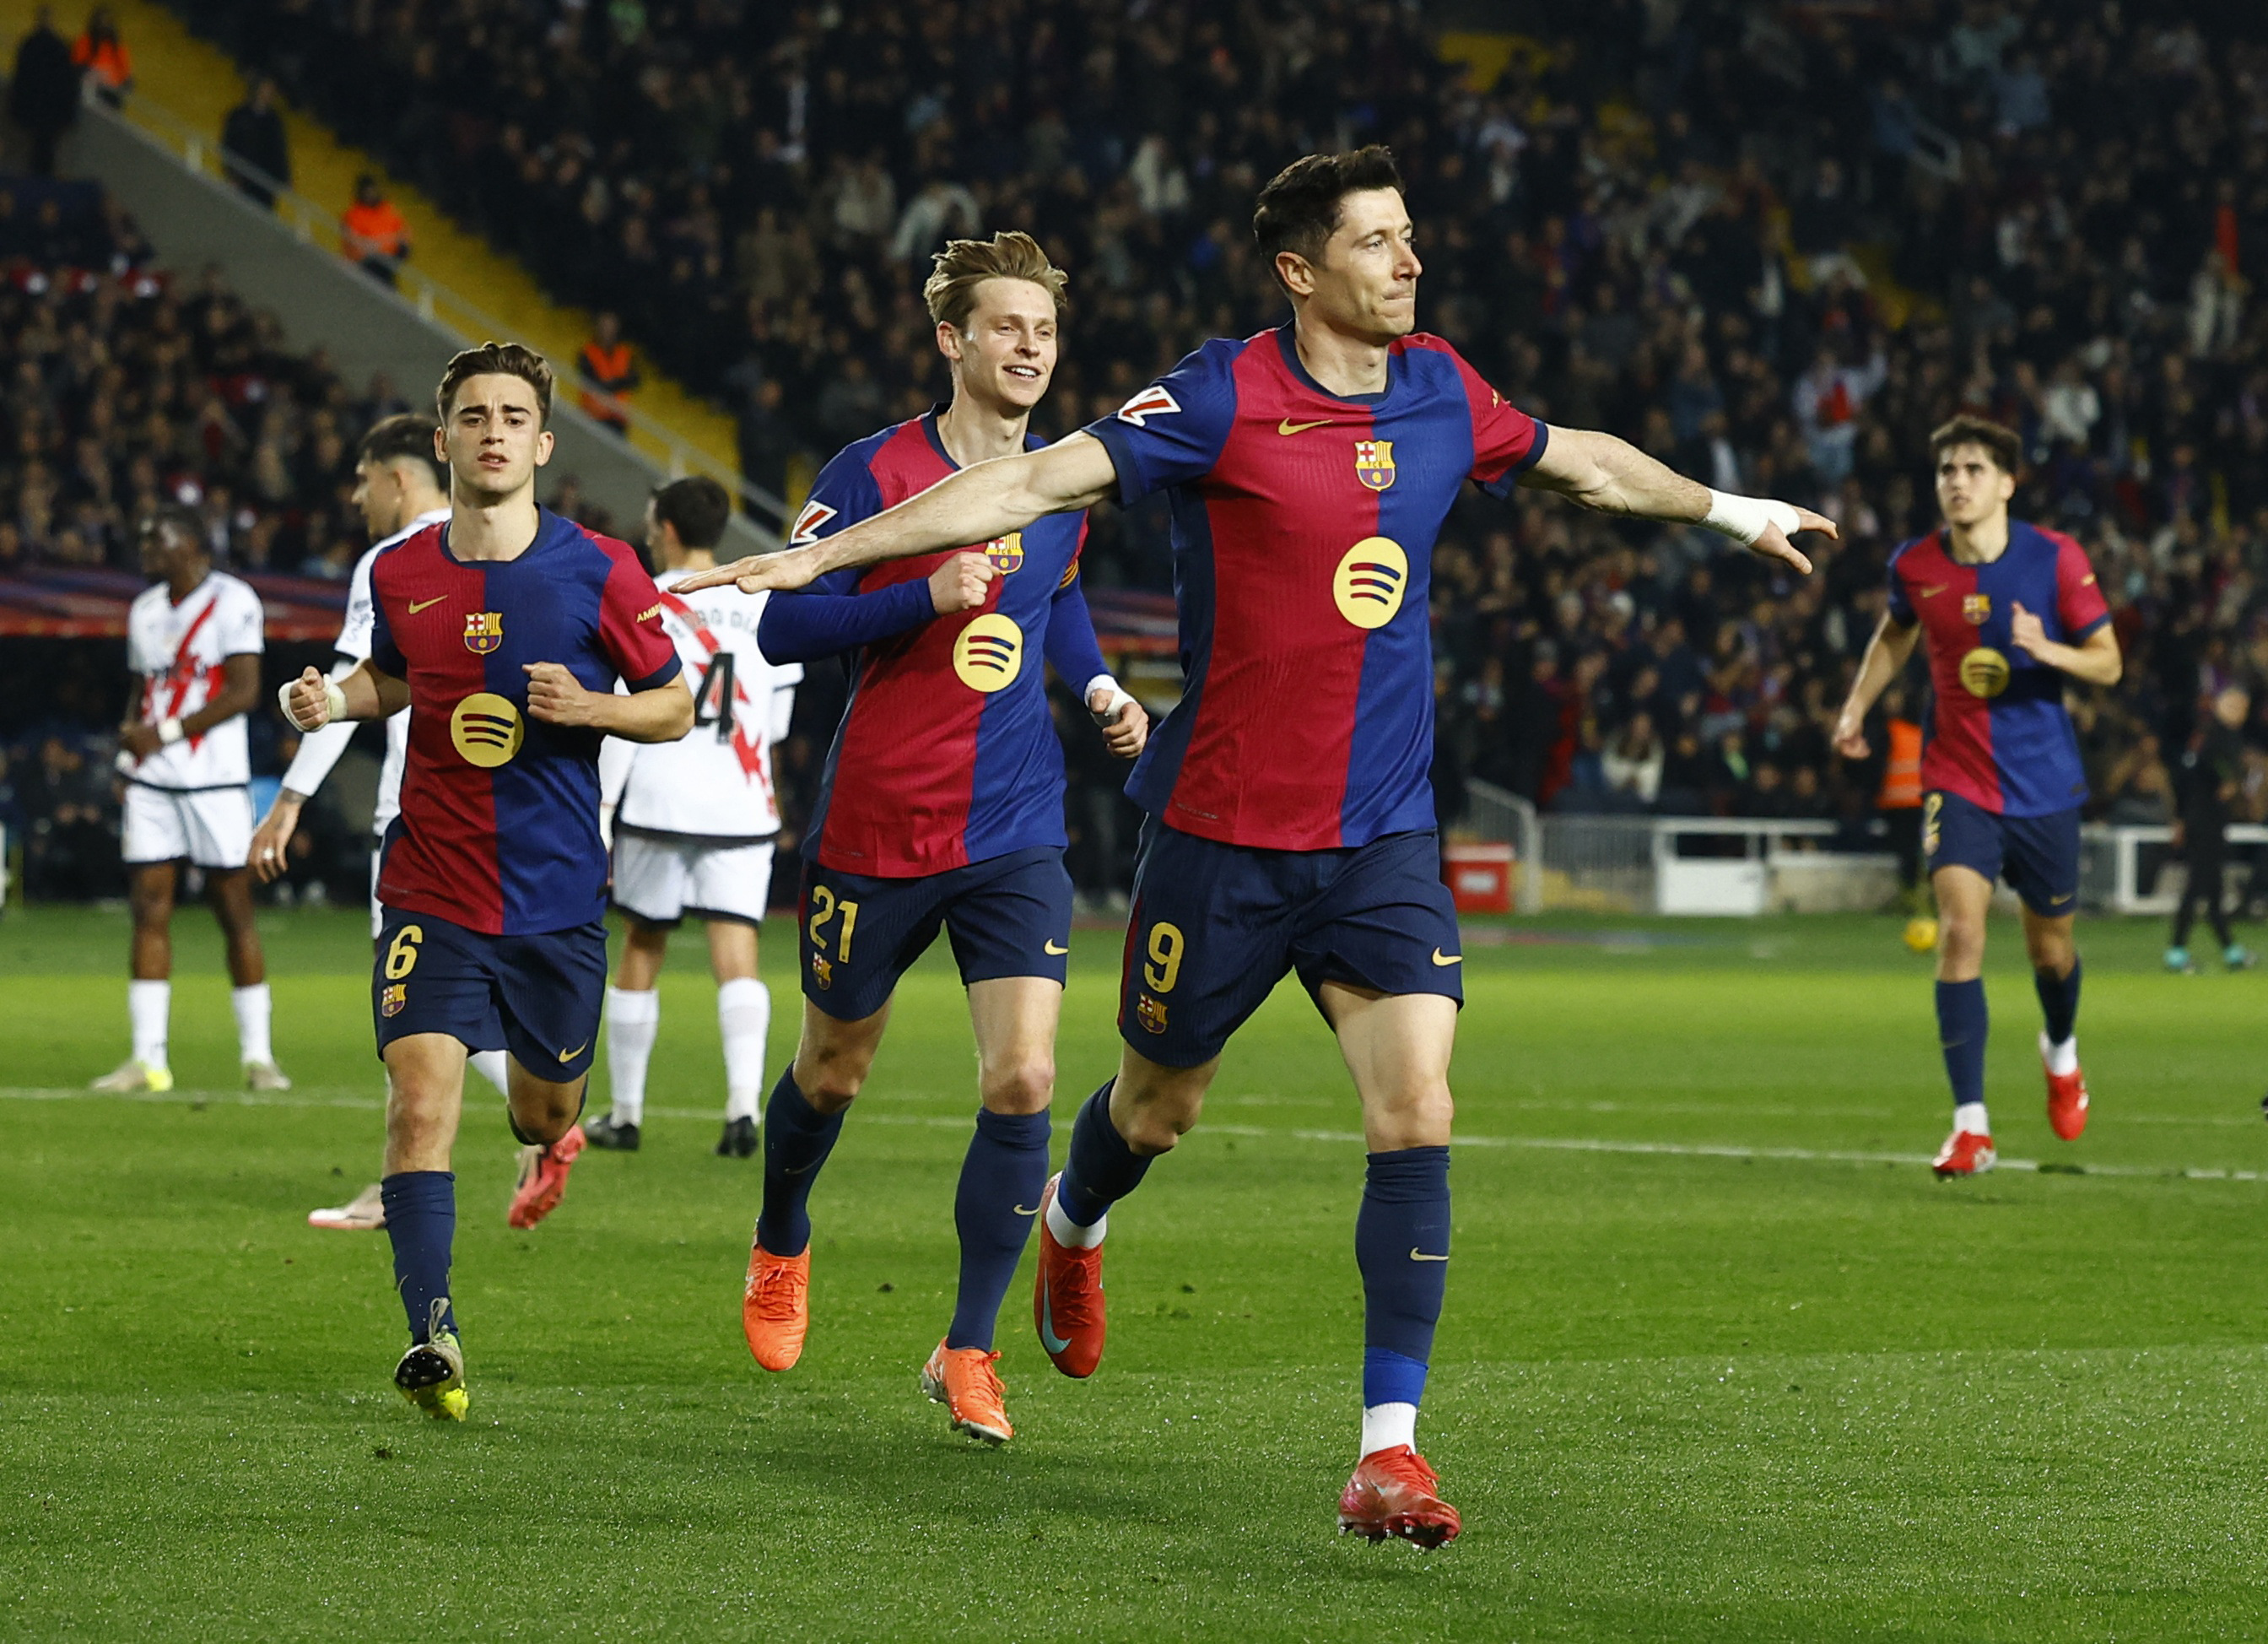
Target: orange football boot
pixel 962 1379
pixel 1965 1152
pixel 543 1179
pixel 2066 1098
pixel 1393 1493
pixel 776 1306
pixel 1067 1298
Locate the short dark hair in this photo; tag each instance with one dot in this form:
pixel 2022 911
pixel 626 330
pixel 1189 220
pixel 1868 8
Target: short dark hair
pixel 2005 444
pixel 697 507
pixel 497 359
pixel 1299 207
pixel 405 437
pixel 182 520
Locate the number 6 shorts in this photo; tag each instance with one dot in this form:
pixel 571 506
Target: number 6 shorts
pixel 1007 916
pixel 537 997
pixel 1216 926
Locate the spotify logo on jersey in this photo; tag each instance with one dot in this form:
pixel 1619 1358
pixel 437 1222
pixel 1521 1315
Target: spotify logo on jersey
pixel 486 729
pixel 989 653
pixel 1985 672
pixel 1370 580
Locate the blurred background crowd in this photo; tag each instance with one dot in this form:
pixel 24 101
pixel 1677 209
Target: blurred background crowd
pixel 1773 244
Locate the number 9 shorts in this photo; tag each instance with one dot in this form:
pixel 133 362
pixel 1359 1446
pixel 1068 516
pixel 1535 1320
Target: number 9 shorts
pixel 1215 927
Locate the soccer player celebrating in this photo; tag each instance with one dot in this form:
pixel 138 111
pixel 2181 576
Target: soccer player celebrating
pixel 942 802
pixel 194 639
pixel 2011 611
pixel 504 630
pixel 1291 821
pixel 694 823
pixel 401 486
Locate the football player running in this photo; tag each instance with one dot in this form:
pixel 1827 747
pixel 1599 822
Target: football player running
pixel 504 630
pixel 694 823
pixel 1291 824
pixel 2012 612
pixel 941 804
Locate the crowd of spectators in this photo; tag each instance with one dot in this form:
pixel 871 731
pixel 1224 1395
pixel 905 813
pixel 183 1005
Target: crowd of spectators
pixel 1773 244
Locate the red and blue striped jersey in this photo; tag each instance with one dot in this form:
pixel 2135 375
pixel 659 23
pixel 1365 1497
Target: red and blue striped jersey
pixel 1303 538
pixel 1999 735
pixel 947 753
pixel 499 824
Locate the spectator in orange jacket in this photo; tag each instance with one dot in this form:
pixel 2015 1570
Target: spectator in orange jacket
pixel 606 364
pixel 103 57
pixel 371 231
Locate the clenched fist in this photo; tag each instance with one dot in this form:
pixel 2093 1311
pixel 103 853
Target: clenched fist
pixel 961 584
pixel 557 697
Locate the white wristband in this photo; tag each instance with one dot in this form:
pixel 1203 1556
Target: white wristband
pixel 170 732
pixel 1743 519
pixel 334 702
pixel 1109 711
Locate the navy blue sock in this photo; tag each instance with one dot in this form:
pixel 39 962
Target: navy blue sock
pixel 2058 1000
pixel 1961 1025
pixel 421 1219
pixel 1401 1244
pixel 798 1138
pixel 1101 1170
pixel 1001 1180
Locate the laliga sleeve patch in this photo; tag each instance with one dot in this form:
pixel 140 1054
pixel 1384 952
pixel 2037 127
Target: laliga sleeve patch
pixel 1154 400
pixel 805 529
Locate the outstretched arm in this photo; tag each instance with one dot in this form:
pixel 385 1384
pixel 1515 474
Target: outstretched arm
pixel 808 626
pixel 1601 472
pixel 1886 656
pixel 987 500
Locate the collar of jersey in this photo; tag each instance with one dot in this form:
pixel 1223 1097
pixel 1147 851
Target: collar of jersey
pixel 928 421
pixel 174 604
pixel 548 526
pixel 1287 344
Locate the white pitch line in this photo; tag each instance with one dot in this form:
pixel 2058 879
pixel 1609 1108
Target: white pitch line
pixel 1548 1143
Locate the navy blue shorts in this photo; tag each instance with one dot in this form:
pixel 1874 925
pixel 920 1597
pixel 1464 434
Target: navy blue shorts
pixel 538 997
pixel 1216 926
pixel 2038 855
pixel 1009 916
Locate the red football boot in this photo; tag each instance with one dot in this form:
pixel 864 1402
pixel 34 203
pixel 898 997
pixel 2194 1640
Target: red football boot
pixel 1392 1493
pixel 776 1306
pixel 1965 1152
pixel 2066 1097
pixel 1067 1298
pixel 543 1179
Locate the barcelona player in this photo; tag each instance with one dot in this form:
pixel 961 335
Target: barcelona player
pixel 2012 612
pixel 941 803
pixel 1291 824
pixel 504 630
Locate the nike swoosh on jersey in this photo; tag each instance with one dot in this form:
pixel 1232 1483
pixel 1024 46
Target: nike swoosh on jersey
pixel 1930 594
pixel 1048 1339
pixel 1417 1254
pixel 1287 426
pixel 416 605
pixel 1053 946
pixel 1022 1211
pixel 1441 958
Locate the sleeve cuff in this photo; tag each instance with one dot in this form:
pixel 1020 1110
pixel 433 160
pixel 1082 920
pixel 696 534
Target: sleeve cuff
pixel 661 676
pixel 2092 629
pixel 1131 489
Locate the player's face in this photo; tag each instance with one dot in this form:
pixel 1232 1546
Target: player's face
pixel 378 495
pixel 495 438
pixel 1007 356
pixel 657 539
pixel 1972 486
pixel 1366 283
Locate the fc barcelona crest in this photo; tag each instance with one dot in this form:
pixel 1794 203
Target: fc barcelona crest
pixel 396 996
pixel 1005 553
pixel 1374 462
pixel 1976 608
pixel 822 971
pixel 483 631
pixel 1150 1011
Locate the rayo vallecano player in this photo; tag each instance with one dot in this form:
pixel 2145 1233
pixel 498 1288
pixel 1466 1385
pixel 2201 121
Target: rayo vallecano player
pixel 693 823
pixel 401 490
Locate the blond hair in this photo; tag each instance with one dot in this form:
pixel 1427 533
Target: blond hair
pixel 965 264
pixel 497 359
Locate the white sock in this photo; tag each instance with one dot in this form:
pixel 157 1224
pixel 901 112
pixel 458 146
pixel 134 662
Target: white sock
pixel 491 1066
pixel 1386 1425
pixel 253 1009
pixel 1970 1115
pixel 148 1004
pixel 744 1012
pixel 1068 1232
pixel 633 1021
pixel 2062 1059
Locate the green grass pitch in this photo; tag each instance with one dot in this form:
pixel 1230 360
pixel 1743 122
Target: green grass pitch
pixel 1721 1361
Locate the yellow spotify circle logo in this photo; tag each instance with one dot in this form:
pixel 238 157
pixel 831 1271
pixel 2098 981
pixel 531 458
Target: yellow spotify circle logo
pixel 989 653
pixel 1370 580
pixel 1985 672
pixel 487 729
